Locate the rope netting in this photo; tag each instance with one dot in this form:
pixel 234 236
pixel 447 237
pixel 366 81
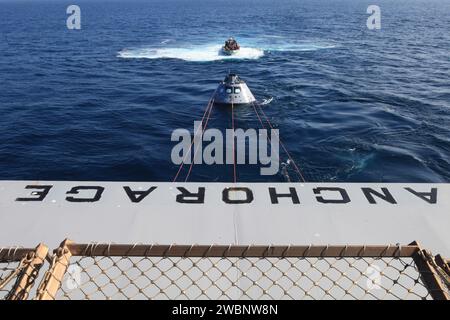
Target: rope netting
pixel 108 271
pixel 19 269
pixel 8 276
pixel 243 278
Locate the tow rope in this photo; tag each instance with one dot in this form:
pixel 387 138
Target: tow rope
pixel 204 125
pixel 297 169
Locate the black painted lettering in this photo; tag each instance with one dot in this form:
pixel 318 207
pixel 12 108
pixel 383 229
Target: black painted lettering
pixel 430 197
pixel 75 190
pixel 274 196
pixel 344 198
pixel 191 197
pixel 226 195
pixel 386 195
pixel 137 196
pixel 38 195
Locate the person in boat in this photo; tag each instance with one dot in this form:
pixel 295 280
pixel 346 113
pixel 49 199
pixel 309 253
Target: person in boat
pixel 231 45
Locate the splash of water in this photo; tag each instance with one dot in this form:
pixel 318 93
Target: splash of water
pixel 200 53
pixel 266 101
pixel 212 52
pixel 285 170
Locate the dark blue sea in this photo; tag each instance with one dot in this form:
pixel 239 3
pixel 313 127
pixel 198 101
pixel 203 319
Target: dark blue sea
pixel 100 103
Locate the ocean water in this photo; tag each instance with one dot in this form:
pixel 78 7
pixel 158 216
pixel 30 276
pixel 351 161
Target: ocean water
pixel 100 103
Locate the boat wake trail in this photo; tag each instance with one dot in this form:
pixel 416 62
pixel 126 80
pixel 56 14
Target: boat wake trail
pixel 199 54
pixel 303 46
pixel 212 52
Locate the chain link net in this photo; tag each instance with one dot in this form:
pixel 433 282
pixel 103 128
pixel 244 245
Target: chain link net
pixel 107 277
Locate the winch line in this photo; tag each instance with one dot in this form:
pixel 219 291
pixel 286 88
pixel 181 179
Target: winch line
pixel 203 131
pixel 190 147
pixel 232 126
pixel 282 145
pixel 279 138
pixel 209 105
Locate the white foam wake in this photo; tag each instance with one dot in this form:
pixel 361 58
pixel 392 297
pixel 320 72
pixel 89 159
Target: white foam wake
pixel 212 52
pixel 200 53
pixel 295 47
pixel 266 101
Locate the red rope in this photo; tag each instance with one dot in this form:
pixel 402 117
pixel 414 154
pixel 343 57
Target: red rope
pixel 196 150
pixel 232 126
pixel 279 139
pixel 260 121
pixel 210 103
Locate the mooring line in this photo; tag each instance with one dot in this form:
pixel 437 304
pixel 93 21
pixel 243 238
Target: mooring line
pixel 232 126
pixel 279 139
pixel 196 150
pixel 209 105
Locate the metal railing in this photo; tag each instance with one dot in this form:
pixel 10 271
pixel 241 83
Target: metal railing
pixel 112 271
